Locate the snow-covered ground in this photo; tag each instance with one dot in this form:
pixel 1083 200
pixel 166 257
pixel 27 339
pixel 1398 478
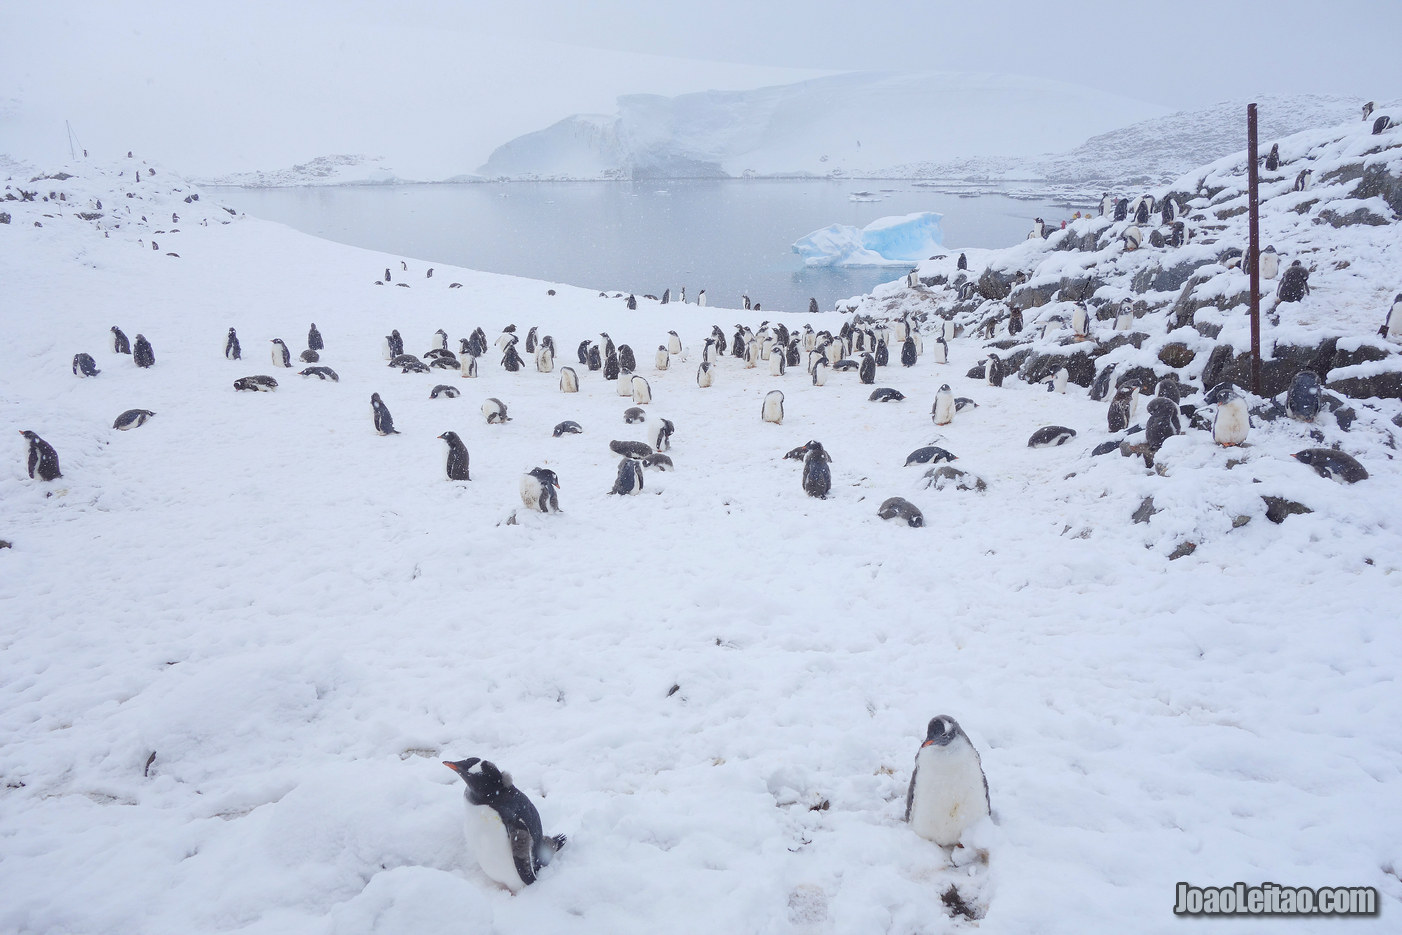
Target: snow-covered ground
pixel 236 642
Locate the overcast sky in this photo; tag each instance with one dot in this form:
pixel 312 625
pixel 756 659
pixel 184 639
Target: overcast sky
pixel 210 88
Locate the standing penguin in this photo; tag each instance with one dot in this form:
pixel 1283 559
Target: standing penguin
pixel 538 487
pixel 642 391
pixel 1273 158
pixel 1080 320
pixel 948 791
pixel 611 367
pixel 777 364
pixel 120 344
pixel 1392 324
pixel 820 371
pixel 1269 263
pixel 632 302
pixel 1121 408
pixel 943 410
pixel 1303 399
pixel 232 349
pixel 531 339
pixel 457 456
pixel 1232 422
pixel 817 479
pixel 1162 423
pixel 569 380
pixel 282 357
pixel 511 360
pixel 773 410
pixel 626 361
pixel 384 422
pixel 963 262
pixel 701 298
pixel 84 365
pixel 630 477
pixel 1056 383
pixel 440 340
pixel 143 353
pixel 394 345
pixel 314 341
pixel 503 827
pixel 705 375
pixel 993 373
pixel 866 373
pixel 544 358
pixel 1294 283
pixel 469 367
pixel 674 343
pixel 663 358
pixel 1014 322
pixel 940 351
pixel 43 460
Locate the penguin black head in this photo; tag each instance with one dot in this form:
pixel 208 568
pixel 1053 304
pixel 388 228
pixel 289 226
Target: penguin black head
pixel 942 731
pixel 1221 393
pixel 547 478
pixel 29 435
pixel 451 438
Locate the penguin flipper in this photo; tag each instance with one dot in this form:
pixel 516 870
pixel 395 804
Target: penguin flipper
pixel 910 794
pixel 522 852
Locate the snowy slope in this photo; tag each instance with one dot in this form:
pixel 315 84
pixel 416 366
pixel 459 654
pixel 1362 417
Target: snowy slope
pixel 856 124
pixel 235 642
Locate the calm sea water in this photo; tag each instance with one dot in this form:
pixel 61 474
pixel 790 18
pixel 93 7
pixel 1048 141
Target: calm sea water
pixel 730 237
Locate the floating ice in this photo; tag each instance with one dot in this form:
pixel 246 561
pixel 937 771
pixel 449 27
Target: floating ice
pixel 889 241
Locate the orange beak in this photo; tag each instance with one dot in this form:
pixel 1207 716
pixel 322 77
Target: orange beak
pixel 452 766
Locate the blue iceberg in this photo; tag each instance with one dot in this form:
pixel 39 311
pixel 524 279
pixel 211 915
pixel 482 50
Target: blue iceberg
pixel 891 241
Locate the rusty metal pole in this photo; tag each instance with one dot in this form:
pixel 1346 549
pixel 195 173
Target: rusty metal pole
pixel 1253 250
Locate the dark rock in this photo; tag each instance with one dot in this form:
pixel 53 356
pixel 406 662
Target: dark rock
pixel 1184 549
pixel 1118 340
pixel 936 280
pixel 1146 510
pixel 1386 385
pixel 1355 217
pixel 1363 354
pixel 1378 182
pixel 1145 377
pixel 994 285
pixel 1277 371
pixel 1080 367
pixel 1277 508
pixel 1176 354
pixel 1026 297
pixel 1078 288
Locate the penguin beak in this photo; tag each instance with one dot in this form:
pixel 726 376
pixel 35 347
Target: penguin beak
pixel 452 766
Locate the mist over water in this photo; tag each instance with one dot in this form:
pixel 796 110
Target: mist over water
pixel 730 237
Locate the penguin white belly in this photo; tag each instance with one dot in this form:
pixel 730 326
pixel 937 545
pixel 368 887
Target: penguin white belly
pixel 949 793
pixel 530 496
pixel 491 846
pixel 1232 423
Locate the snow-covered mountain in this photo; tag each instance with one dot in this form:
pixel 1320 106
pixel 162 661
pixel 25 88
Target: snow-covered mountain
pixel 854 124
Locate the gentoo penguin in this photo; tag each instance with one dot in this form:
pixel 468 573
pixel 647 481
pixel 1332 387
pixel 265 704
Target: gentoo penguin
pixel 440 340
pixel 384 422
pixel 1294 283
pixel 1038 231
pixel 314 341
pixel 948 791
pixel 930 454
pixel 1124 319
pixel 632 302
pixel 940 352
pixel 444 390
pixel 232 349
pixel 1162 423
pixel 1056 383
pixel 661 435
pixel 901 508
pixel 1269 263
pixel 531 341
pixel 1107 204
pixel 84 365
pixel 866 373
pixel 131 419
pixel 666 296
pixel 659 461
pixel 633 415
pixel 1080 320
pixel 1382 123
pixel 387 279
pixel 120 344
pixel 1304 397
pixel 259 383
pixel 674 343
pixel 1132 238
pixel 683 296
pixel 626 361
pixel 1141 212
pixel 544 358
pixel 885 394
pixel 511 360
pixel 663 358
pixel 1332 465
pixel 469 367
pixel 1050 436
pixel 642 391
pixel 963 262
pixel 701 298
pixel 494 411
pixel 623 386
pixel 1121 209
pixel 503 827
pixel 820 371
pixel 1368 110
pixel 1392 324
pixel 943 410
pixel 705 374
pixel 538 487
pixel 882 354
pixel 310 356
pixel 817 479
pixel 777 364
pixel 42 457
pixel 1273 158
pixel 1232 422
pixel 393 345
pixel 949 329
pixel 321 373
pixel 569 381
pixel 583 352
pixel 1302 181
pixel 1121 408
pixel 457 456
pixel 773 410
pixel 282 357
pixel 630 477
pixel 993 373
pixel 963 402
pixel 143 353
pixel 611 367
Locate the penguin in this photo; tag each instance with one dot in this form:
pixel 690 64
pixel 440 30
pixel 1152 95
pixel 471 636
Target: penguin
pixel 777 364
pixel 630 449
pixel 1179 235
pixel 1107 204
pixel 705 375
pixel 310 356
pixel 1382 123
pixel 1273 158
pixel 1056 383
pixel 568 427
pixel 630 477
pixel 469 367
pixel 632 302
pixel 607 347
pixel 84 365
pixel 882 354
pixel 949 329
pixel 457 456
pixel 143 353
pixel 633 415
pixel 1050 436
pixel 663 358
pixel 948 791
pixel 674 343
pixel 901 508
pixel 503 827
pixel 1332 465
pixel 866 372
pixel 384 422
pixel 440 340
pixel 963 262
pixel 993 373
pixel 623 386
pixel 282 357
pixel 1121 408
pixel 544 358
pixel 408 363
pixel 940 352
pixel 659 461
pixel 42 457
pixel 232 349
pixel 569 381
pixel 709 354
pixel 1170 389
pixel 314 341
pixel 1303 399
pixel 257 384
pixel 817 479
pixel 1100 386
pixel 583 352
pixel 444 390
pixel 963 402
pixel 930 454
pixel 531 339
pixel 642 392
pixel 773 410
pixel 1269 263
pixel 494 411
pixel 1132 238
pixel 394 345
pixel 666 296
pixel 1302 181
pixel 662 435
pixel 683 296
pixel 387 279
pixel 1294 283
pixel 1162 423
pixel 511 360
pixel 820 371
pixel 1368 110
pixel 611 367
pixel 1124 320
pixel 1141 213
pixel 701 299
pixel 323 373
pixel 1121 209
pixel 943 410
pixel 538 487
pixel 626 361
pixel 1392 324
pixel 120 344
pixel 132 418
pixel 885 394
pixel 1038 229
pixel 1080 320
pixel 1232 423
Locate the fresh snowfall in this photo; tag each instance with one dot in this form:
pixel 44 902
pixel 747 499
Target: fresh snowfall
pixel 240 639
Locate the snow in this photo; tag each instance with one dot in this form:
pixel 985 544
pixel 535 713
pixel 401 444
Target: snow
pixel 236 642
pixel 888 241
